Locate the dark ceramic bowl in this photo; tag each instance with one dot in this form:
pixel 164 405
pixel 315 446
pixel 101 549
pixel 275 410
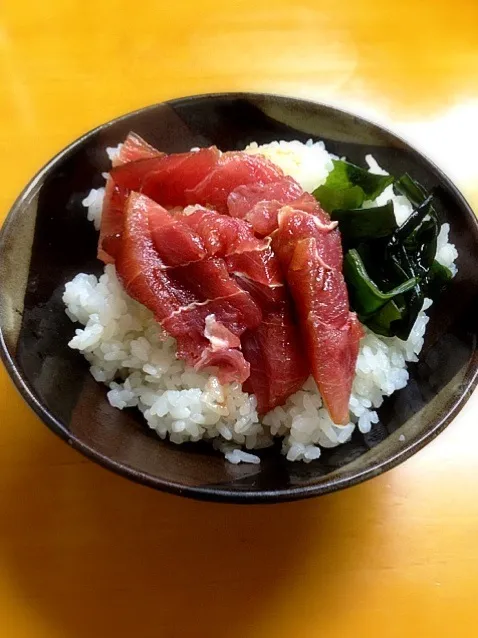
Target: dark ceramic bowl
pixel 47 239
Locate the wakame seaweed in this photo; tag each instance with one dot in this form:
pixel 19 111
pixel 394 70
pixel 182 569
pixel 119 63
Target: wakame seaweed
pixel 389 269
pixel 359 224
pixel 348 186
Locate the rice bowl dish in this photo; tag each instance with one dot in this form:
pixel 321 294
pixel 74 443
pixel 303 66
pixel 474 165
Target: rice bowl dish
pixel 130 352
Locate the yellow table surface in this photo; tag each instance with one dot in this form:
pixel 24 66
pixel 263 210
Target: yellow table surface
pixel 86 553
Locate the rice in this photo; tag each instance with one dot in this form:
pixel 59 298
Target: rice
pixel 307 163
pixel 128 351
pixel 94 203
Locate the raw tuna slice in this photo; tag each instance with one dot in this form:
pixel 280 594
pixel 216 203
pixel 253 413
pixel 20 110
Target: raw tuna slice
pixel 200 177
pixel 222 235
pixel 184 293
pixel 215 293
pixel 273 349
pixel 111 221
pixel 134 148
pixel 260 203
pixel 233 169
pixel 177 244
pixel 144 275
pixel 165 179
pixel 309 250
pixel 313 222
pixel 278 364
pixel 223 353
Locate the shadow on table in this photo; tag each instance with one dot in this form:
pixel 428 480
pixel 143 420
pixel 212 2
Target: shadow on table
pixel 95 555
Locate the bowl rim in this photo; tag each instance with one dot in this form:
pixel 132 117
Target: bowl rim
pixel 216 493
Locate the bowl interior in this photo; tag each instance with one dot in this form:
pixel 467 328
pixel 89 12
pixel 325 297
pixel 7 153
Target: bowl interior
pixel 47 240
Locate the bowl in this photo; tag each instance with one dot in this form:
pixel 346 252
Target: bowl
pixel 47 239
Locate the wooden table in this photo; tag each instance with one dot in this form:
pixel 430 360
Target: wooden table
pixel 86 553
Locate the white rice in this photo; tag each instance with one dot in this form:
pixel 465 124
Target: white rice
pixel 94 203
pixel 128 351
pixel 307 163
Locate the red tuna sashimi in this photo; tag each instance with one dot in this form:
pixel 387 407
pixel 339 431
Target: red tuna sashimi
pixel 174 240
pixel 111 221
pixel 218 296
pixel 248 258
pixel 216 293
pixel 165 179
pixel 259 272
pixel 233 169
pixel 204 177
pixel 260 203
pixel 222 235
pixel 134 148
pixel 273 349
pixel 279 366
pixel 315 222
pixel 311 257
pixel 180 247
pixel 183 297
